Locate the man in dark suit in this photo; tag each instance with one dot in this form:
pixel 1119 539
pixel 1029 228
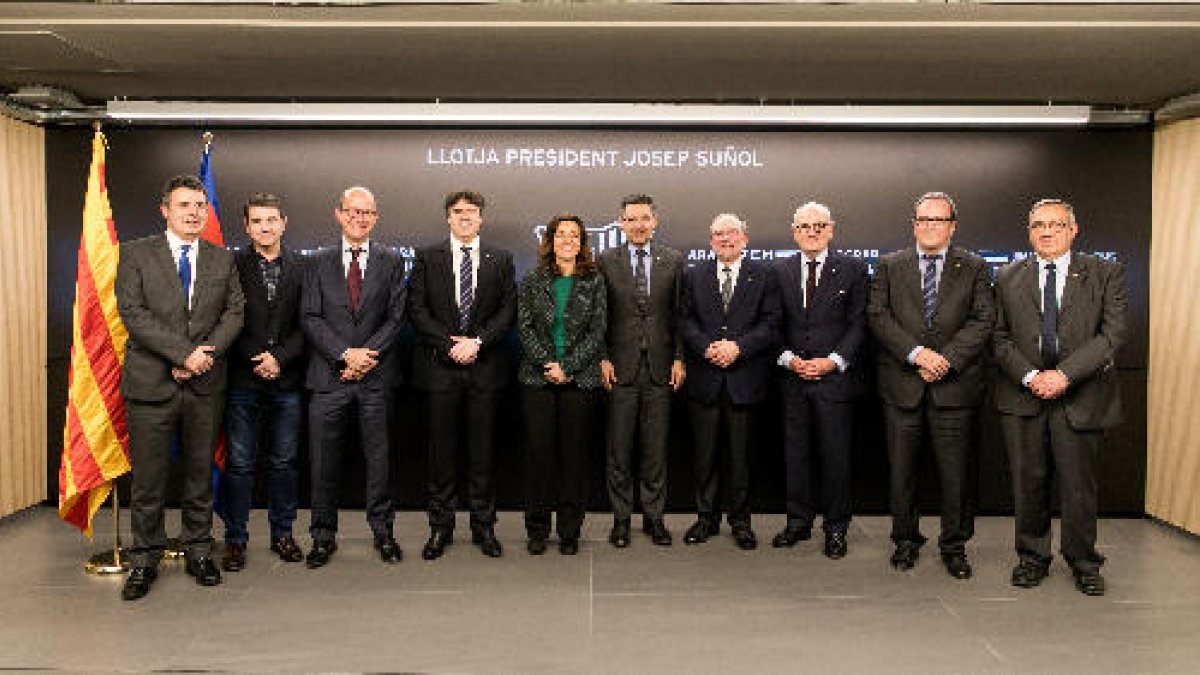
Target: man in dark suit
pixel 643 364
pixel 824 297
pixel 730 333
pixel 266 371
pixel 1062 317
pixel 462 301
pixel 181 303
pixel 931 309
pixel 351 310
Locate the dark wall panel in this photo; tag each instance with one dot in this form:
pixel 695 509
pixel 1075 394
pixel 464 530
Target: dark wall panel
pixel 868 178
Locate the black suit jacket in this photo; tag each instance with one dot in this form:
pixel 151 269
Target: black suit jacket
pixel 834 322
pixel 163 331
pixel 433 310
pixel 752 322
pixel 1091 327
pixel 270 325
pixel 332 327
pixel 626 325
pixel 963 317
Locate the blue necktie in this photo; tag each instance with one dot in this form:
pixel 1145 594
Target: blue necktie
pixel 185 273
pixel 929 287
pixel 466 294
pixel 1050 318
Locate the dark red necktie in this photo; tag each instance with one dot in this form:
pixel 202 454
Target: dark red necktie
pixel 354 278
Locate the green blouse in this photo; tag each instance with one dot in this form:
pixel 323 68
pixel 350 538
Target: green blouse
pixel 558 331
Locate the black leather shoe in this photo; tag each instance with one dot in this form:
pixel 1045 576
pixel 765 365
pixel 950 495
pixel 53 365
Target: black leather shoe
pixel 957 565
pixel 905 556
pixel 205 571
pixel 791 535
pixel 320 554
pixel 139 582
pixel 1089 583
pixel 488 543
pixel 744 537
pixel 389 550
pixel 619 536
pixel 659 534
pixel 1028 574
pixel 835 545
pixel 436 545
pixel 700 531
pixel 568 546
pixel 287 550
pixel 234 559
pixel 536 545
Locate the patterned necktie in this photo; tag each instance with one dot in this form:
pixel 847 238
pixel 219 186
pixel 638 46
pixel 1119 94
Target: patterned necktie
pixel 726 287
pixel 810 283
pixel 639 280
pixel 466 293
pixel 185 273
pixel 1050 318
pixel 354 278
pixel 929 286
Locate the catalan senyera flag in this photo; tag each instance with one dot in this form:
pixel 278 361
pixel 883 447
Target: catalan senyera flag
pixel 212 234
pixel 95 437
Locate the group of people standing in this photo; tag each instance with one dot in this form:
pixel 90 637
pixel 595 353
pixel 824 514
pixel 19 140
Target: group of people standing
pixel 630 325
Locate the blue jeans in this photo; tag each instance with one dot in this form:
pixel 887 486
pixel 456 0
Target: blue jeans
pixel 245 412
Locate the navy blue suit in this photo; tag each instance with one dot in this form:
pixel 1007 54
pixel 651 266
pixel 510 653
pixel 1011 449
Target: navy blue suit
pixel 818 414
pixel 714 393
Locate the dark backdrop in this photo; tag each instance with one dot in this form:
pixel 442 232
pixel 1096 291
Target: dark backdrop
pixel 868 178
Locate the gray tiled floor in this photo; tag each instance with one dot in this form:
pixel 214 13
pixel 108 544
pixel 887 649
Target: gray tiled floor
pixel 687 609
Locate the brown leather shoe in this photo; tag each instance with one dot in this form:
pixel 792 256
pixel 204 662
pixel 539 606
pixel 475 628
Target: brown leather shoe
pixel 234 559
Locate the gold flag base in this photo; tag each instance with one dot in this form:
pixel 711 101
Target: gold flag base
pixel 108 562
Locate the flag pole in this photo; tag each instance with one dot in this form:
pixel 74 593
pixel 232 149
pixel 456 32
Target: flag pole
pixel 110 562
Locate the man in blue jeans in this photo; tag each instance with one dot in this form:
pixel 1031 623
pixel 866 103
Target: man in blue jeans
pixel 266 372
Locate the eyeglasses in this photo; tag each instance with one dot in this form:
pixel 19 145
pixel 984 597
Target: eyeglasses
pixel 1049 225
pixel 360 213
pixel 816 228
pixel 931 221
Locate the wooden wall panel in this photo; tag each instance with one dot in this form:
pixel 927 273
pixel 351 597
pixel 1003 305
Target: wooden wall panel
pixel 22 315
pixel 1173 416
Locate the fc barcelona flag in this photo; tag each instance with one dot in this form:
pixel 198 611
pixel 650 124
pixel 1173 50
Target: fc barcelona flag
pixel 212 234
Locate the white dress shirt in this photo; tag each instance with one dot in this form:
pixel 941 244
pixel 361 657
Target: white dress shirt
pixel 456 255
pixel 363 254
pixel 176 245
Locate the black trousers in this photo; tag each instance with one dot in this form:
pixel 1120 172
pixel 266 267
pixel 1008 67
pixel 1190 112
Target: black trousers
pixel 330 413
pixel 153 427
pixel 473 412
pixel 558 439
pixel 1037 447
pixel 722 468
pixel 640 406
pixel 951 435
pixel 817 438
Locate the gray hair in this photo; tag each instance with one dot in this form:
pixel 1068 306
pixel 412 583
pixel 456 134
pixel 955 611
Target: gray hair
pixel 814 206
pixel 351 190
pixel 730 219
pixel 1053 201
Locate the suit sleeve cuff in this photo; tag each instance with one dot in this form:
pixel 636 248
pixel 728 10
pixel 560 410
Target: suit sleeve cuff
pixel 785 359
pixel 841 363
pixel 912 356
pixel 1028 378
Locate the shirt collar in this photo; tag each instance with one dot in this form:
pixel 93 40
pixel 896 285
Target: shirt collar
pixel 940 253
pixel 820 256
pixel 734 266
pixel 176 243
pixel 1062 262
pixel 457 245
pixel 347 246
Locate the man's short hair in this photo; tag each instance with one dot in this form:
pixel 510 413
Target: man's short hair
pixel 940 196
pixel 468 196
pixel 1054 201
pixel 263 200
pixel 341 200
pixel 730 219
pixel 814 206
pixel 174 183
pixel 637 199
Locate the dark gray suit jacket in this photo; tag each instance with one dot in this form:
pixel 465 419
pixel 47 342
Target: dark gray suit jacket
pixel 333 327
pixel 626 325
pixel 163 332
pixel 963 317
pixel 1091 327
